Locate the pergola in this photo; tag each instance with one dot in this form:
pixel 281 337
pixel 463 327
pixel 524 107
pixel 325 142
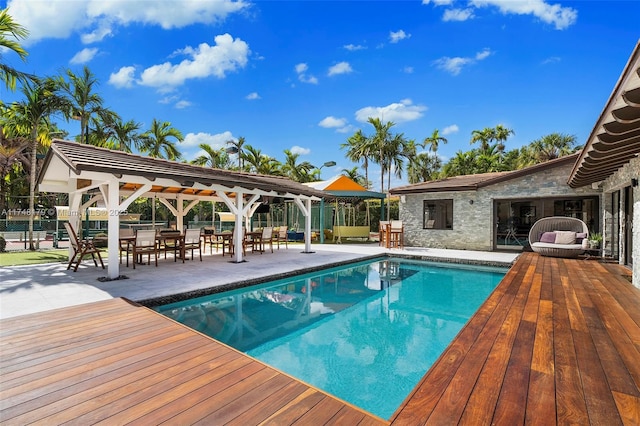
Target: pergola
pixel 117 179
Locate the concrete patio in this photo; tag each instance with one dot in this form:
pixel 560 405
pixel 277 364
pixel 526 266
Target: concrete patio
pixel 38 288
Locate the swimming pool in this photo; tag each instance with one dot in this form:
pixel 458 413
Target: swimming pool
pixel 365 332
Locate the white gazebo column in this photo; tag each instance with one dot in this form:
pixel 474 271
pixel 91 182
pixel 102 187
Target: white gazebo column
pixel 306 211
pixel 75 199
pixel 113 229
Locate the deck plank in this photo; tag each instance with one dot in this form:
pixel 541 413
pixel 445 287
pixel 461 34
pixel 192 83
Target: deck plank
pixel 114 362
pixel 558 341
pixel 567 355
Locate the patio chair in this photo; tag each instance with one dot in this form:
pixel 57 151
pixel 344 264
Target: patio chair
pixel 192 241
pixel 81 248
pixel 209 237
pixel 125 237
pixel 169 241
pixel 382 232
pixel 395 234
pixel 266 238
pixel 145 243
pixel 281 236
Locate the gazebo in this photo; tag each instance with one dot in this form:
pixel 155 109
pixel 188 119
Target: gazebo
pixel 117 178
pixel 345 190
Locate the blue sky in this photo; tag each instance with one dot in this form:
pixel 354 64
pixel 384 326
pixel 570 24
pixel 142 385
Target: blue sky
pixel 305 75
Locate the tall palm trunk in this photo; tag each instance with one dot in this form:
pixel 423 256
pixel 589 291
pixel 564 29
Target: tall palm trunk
pixel 32 185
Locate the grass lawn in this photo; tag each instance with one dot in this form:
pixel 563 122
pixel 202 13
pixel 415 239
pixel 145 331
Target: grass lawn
pixel 14 258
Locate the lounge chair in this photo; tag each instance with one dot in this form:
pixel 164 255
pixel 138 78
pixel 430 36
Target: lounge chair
pixel 569 244
pixel 81 248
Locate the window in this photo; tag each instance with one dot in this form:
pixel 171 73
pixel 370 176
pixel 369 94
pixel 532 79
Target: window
pixel 438 214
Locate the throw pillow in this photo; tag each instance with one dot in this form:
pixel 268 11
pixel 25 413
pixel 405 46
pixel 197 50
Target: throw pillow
pixel 585 243
pixel 580 236
pixel 565 237
pixel 548 237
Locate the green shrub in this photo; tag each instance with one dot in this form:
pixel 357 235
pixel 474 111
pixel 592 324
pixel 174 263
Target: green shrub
pixel 3 244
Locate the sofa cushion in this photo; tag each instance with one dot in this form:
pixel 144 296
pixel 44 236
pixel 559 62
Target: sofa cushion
pixel 558 246
pixel 565 237
pixel 548 237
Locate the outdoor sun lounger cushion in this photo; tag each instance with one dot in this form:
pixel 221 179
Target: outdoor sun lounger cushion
pixel 557 224
pixel 81 248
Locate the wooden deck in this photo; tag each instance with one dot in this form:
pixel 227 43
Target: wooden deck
pixel 558 342
pixel 114 362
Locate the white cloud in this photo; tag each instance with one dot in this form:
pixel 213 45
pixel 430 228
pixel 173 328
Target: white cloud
pixel 61 18
pixel 395 37
pixel 301 70
pixel 483 54
pixel 561 17
pixel 551 60
pixel 226 56
pixel 354 47
pixel 457 15
pixel 454 65
pixel 84 56
pixel 124 78
pixel 340 68
pixel 397 112
pixel 216 141
pixel 182 104
pixel 300 150
pixel 252 96
pixel 450 129
pixel 438 2
pixel 408 70
pixel 331 121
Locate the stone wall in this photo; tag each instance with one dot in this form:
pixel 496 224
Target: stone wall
pixel 618 181
pixel 473 215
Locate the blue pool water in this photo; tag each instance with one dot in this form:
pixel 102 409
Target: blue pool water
pixel 365 332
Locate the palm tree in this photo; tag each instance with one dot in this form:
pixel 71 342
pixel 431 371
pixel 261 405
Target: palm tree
pixel 13 154
pixel 237 147
pixel 10 34
pixel 378 142
pixel 552 146
pixel 42 99
pixel 299 172
pixel 216 158
pixel 157 141
pixel 125 135
pixel 484 136
pixel 359 149
pixel 501 134
pixel 85 103
pixel 434 141
pixel 464 163
pixel 423 167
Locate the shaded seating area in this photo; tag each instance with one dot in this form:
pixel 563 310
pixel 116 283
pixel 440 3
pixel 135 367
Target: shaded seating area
pixel 559 236
pixel 81 248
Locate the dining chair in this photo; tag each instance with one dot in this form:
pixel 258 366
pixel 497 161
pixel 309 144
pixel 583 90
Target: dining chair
pixel 192 241
pixel 145 243
pixel 281 236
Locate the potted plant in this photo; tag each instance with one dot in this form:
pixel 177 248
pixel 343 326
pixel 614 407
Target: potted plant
pixel 595 240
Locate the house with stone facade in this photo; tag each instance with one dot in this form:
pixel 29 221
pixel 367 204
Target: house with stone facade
pixel 599 184
pixel 493 211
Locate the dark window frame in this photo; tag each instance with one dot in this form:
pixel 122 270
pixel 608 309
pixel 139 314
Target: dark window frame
pixel 437 214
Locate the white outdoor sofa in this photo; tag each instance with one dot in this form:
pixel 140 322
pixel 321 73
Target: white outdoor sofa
pixel 562 246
